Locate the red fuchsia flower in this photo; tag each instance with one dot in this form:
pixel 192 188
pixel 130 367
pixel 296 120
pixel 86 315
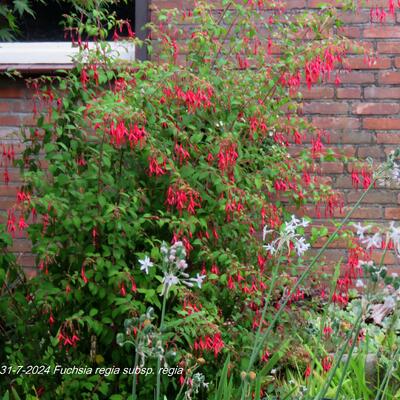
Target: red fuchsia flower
pixel 118 133
pixel 191 308
pixel 265 356
pixel 317 147
pixel 192 99
pixel 243 62
pixel 21 223
pixel 51 319
pixel 133 284
pixel 307 372
pixel 392 11
pixel 155 168
pixel 227 157
pixel 214 269
pixel 231 283
pixel 22 197
pixel 327 363
pixel 181 153
pixel 122 289
pixel 355 179
pixel 136 136
pixel 327 331
pixel 11 219
pixel 212 343
pixel 366 178
pixel 84 78
pixel 183 200
pixel 83 274
pixel 6 176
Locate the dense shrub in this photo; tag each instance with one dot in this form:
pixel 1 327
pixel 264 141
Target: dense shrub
pixel 191 149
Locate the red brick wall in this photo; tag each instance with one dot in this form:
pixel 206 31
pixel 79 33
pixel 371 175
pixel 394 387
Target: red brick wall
pixel 362 113
pixel 15 110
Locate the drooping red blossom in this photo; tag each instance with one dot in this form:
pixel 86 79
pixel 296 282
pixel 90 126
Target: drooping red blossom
pixel 327 363
pixel 83 274
pixel 156 168
pixel 212 343
pixel 327 331
pixel 183 199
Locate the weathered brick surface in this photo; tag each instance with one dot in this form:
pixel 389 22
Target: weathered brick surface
pixel 362 113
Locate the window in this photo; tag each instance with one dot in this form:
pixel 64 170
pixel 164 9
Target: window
pixel 43 47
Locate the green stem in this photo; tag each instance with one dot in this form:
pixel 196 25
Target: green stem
pixel 158 387
pixel 134 381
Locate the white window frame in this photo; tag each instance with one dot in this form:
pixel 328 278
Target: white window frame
pixel 51 56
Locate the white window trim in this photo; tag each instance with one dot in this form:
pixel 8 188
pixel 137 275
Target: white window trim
pixel 50 56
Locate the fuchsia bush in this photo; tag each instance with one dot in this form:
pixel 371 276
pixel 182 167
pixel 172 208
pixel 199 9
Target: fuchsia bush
pixel 191 151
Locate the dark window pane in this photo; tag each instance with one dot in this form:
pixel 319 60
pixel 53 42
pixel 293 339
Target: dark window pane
pixel 47 27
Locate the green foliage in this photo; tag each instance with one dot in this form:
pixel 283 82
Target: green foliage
pixel 125 157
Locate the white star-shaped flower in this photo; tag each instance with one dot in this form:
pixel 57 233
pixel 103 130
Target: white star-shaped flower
pixel 198 280
pixel 361 229
pixel 145 264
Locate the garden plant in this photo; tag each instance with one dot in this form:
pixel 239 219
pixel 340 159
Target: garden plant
pixel 165 204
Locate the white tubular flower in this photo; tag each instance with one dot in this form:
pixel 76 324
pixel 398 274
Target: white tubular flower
pixel 374 241
pixel 301 246
pixel 198 280
pixel 269 247
pixel 304 223
pixel 145 264
pixel 182 264
pixel 361 230
pixel 168 281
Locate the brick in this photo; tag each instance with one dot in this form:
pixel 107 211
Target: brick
pixel 349 17
pixel 336 122
pixel 317 93
pixel 359 63
pixel 392 213
pixel 371 151
pixel 13 92
pixel 382 124
pixel 325 108
pixel 352 32
pixel 389 78
pixel 355 77
pixel 332 167
pixel 388 258
pixel 7 119
pixel 349 93
pixel 352 137
pixel 381 93
pixel 397 62
pixel 291 4
pixel 382 31
pixel 388 47
pixel 388 138
pixel 365 212
pixel 374 197
pixel 375 108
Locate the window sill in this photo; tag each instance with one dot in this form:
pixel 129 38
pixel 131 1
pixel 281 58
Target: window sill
pixel 50 56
